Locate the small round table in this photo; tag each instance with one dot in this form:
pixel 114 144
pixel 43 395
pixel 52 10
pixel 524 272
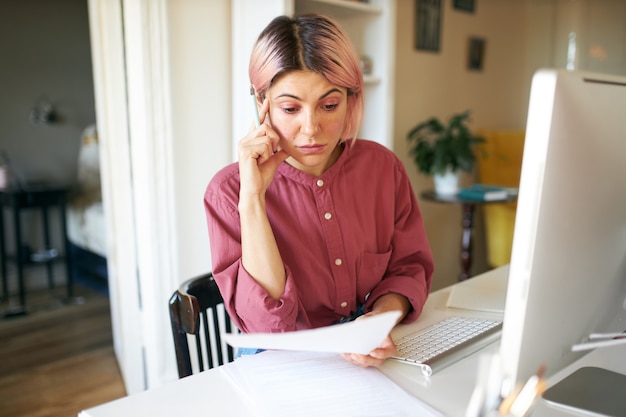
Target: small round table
pixel 469 206
pixel 41 197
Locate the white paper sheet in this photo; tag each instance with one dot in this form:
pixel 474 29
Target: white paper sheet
pixel 312 384
pixel 359 336
pixel 487 295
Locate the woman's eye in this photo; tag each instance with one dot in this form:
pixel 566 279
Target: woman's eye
pixel 330 107
pixel 290 110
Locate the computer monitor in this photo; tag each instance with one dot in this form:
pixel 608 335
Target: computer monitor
pixel 567 275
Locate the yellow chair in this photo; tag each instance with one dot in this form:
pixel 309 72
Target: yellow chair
pixel 500 163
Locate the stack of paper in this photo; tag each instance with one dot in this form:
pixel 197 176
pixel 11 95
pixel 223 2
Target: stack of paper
pixel 304 374
pixel 284 383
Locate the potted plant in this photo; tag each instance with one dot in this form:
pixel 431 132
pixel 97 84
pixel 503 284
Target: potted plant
pixel 443 151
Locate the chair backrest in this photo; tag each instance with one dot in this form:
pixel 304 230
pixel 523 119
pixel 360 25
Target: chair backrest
pixel 197 310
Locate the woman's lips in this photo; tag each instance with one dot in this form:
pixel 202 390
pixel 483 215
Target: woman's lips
pixel 311 149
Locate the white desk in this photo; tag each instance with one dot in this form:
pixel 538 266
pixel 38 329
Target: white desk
pixel 449 390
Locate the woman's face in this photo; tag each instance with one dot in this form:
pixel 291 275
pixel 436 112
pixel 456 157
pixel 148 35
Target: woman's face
pixel 309 114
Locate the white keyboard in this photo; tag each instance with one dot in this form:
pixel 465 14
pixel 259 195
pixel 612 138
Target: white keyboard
pixel 446 342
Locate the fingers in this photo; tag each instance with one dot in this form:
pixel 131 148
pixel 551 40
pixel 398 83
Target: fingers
pixel 376 357
pixel 259 158
pixel 260 143
pixel 263 133
pixel 261 112
pixel 279 156
pixel 259 155
pixel 364 361
pixel 264 110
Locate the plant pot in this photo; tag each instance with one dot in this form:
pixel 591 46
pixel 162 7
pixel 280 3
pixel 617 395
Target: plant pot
pixel 447 183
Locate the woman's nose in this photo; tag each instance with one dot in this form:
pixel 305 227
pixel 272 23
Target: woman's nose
pixel 310 123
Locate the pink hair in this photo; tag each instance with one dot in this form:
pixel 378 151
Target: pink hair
pixel 314 43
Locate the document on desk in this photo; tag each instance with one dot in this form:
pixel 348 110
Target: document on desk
pixel 359 336
pixel 287 383
pixel 487 293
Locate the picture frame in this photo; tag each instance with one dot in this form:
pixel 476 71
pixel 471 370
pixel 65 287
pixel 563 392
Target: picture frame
pixel 464 5
pixel 476 53
pixel 428 15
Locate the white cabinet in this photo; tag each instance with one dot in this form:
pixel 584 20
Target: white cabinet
pixel 371 27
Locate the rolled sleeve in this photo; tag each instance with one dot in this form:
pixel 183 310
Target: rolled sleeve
pixel 414 290
pixel 257 311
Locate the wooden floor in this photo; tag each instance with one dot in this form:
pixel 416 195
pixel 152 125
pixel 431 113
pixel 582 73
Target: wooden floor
pixel 58 359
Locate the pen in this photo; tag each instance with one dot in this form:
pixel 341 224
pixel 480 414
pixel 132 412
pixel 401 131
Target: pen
pixel 615 338
pixel 600 344
pixel 526 397
pixel 616 335
pixel 256 110
pixel 506 403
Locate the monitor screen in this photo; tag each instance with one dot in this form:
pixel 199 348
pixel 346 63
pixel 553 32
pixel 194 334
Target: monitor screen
pixel 567 275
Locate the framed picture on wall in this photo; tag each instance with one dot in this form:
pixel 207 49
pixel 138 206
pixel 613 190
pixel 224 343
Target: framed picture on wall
pixel 427 25
pixel 475 53
pixel 464 5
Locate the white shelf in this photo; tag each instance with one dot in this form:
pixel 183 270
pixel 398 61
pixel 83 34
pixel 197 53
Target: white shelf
pixel 371 80
pixel 340 8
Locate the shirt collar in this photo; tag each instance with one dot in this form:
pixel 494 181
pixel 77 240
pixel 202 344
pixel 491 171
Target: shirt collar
pixel 331 173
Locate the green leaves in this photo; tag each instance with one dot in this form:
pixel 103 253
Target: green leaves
pixel 436 147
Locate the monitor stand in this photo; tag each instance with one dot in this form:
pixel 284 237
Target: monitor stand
pixel 591 389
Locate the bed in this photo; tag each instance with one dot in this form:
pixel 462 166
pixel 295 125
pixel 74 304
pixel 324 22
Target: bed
pixel 85 219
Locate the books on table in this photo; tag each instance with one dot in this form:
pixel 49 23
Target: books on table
pixel 483 192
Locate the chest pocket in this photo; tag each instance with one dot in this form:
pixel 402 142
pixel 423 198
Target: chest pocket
pixel 370 270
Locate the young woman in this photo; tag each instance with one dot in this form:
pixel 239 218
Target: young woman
pixel 312 226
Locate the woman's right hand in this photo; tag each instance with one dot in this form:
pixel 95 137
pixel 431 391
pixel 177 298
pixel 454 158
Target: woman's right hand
pixel 259 156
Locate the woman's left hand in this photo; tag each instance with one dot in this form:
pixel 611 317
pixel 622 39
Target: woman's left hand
pixel 376 357
pixel 386 349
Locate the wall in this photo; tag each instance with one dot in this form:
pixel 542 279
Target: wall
pixel 45 53
pixel 439 84
pixel 597 32
pixel 201 102
pixel 521 36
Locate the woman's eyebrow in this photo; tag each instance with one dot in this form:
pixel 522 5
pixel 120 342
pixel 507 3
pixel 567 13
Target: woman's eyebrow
pixel 332 90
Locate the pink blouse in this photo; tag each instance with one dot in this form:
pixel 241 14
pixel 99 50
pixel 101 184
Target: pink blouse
pixel 346 238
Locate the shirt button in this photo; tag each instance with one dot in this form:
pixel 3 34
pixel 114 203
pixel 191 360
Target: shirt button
pixel 338 261
pixel 320 183
pixel 328 216
pixel 344 304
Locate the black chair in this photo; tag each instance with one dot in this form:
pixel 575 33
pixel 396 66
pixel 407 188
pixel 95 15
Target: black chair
pixel 195 309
